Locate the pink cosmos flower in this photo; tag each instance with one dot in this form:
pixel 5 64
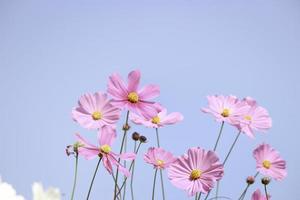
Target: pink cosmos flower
pixel 109 158
pixel 196 171
pixel 159 158
pixel 129 96
pixel 95 111
pixel 159 119
pixel 226 108
pixel 255 119
pixel 257 195
pixel 269 162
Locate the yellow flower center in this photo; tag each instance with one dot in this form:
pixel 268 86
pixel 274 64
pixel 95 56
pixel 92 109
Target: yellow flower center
pixel 105 148
pixel 225 112
pixel 97 115
pixel 195 174
pixel 248 117
pixel 160 163
pixel 267 164
pixel 133 97
pixel 155 120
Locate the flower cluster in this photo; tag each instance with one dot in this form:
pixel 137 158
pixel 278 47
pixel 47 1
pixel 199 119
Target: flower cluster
pixel 198 170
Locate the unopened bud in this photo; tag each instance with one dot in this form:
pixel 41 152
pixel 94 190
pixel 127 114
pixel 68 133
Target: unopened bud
pixel 250 180
pixel 126 127
pixel 135 136
pixel 265 180
pixel 143 139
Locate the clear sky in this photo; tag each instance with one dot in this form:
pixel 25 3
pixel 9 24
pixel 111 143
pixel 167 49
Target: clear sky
pixel 51 52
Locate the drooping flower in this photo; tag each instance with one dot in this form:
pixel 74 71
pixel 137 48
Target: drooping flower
pixel 40 194
pixel 106 137
pixel 159 158
pixel 159 119
pixel 226 108
pixel 130 96
pixel 95 111
pixel 269 162
pixel 7 192
pixel 196 171
pixel 257 195
pixel 255 119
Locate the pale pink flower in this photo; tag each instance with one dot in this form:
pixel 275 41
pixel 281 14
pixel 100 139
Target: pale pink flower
pixel 269 162
pixel 226 108
pixel 159 158
pixel 255 119
pixel 95 111
pixel 129 96
pixel 109 158
pixel 159 119
pixel 196 171
pixel 257 195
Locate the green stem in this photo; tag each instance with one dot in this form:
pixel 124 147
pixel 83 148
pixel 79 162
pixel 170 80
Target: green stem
pixel 162 184
pixel 157 137
pixel 267 196
pixel 246 189
pixel 231 148
pixel 215 148
pixel 121 150
pixel 196 196
pixel 130 167
pixel 154 180
pixel 199 196
pixel 219 136
pixel 75 176
pixel 125 150
pixel 132 173
pixel 92 182
pixel 227 156
pixel 161 175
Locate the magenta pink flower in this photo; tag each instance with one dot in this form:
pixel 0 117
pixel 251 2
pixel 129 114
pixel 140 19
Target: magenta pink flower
pixel 196 171
pixel 109 158
pixel 255 119
pixel 269 162
pixel 226 108
pixel 95 111
pixel 257 195
pixel 159 158
pixel 159 119
pixel 129 96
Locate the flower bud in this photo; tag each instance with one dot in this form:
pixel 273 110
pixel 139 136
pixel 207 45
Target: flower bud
pixel 135 136
pixel 126 127
pixel 250 180
pixel 265 180
pixel 143 139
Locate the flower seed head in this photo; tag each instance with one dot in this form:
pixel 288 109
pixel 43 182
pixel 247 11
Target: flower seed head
pixel 135 136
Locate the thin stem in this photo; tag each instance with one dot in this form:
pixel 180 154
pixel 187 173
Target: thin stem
pixel 117 185
pixel 125 150
pixel 199 196
pixel 154 180
pixel 246 189
pixel 217 189
pixel 227 156
pixel 121 150
pixel 231 148
pixel 75 176
pixel 219 136
pixel 92 182
pixel 162 184
pixel 161 175
pixel 267 196
pixel 132 173
pixel 130 167
pixel 196 196
pixel 157 137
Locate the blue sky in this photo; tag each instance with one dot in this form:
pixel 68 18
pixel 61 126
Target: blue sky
pixel 51 52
